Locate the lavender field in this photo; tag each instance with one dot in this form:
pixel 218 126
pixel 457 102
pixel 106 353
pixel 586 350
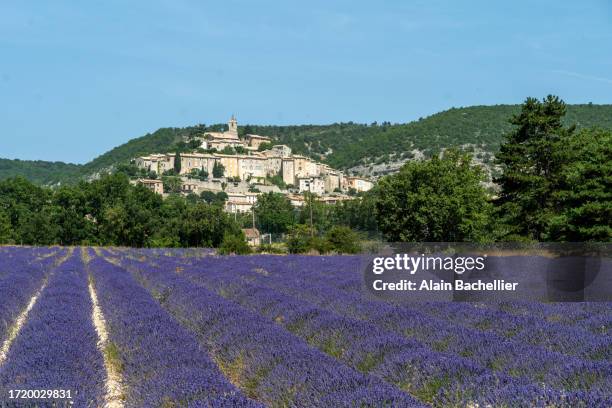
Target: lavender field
pixel 176 328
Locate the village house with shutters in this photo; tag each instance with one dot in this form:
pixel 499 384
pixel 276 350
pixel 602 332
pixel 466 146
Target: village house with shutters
pixel 250 169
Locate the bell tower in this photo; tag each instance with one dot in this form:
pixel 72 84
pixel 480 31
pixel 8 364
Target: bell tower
pixel 233 125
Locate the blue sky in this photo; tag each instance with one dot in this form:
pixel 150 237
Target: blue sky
pixel 78 78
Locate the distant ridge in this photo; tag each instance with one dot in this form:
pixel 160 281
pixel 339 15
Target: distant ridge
pixel 342 145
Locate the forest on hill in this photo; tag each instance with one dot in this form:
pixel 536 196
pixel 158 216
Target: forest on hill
pixel 39 171
pixel 344 145
pixel 341 145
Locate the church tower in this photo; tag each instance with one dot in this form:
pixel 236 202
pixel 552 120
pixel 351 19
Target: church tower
pixel 233 126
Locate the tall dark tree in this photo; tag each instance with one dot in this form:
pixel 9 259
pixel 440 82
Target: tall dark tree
pixel 218 170
pixel 583 197
pixel 177 163
pixel 531 168
pixel 436 200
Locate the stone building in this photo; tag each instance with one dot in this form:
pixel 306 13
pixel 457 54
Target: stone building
pixel 315 185
pixel 221 140
pixel 288 171
pixel 252 167
pixel 305 167
pixel 254 141
pixel 157 186
pixel 358 183
pixel 240 202
pixel 197 161
pixel 252 236
pixel 281 150
pixel 156 162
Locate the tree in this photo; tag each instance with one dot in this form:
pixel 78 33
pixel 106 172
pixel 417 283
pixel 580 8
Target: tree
pixel 583 196
pixel 221 197
pixel 218 170
pixel 274 212
pixel 108 211
pixel 130 169
pixel 37 228
pixel 208 196
pixel 228 150
pixel 70 215
pixel 277 180
pixel 343 240
pixel 205 225
pixel 531 168
pixel 177 163
pixel 359 213
pixel 436 200
pixel 234 244
pixel 6 230
pixel 194 143
pixel 172 184
pixel 299 239
pixel 264 146
pixel 315 213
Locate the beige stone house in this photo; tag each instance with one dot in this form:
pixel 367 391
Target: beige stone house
pixel 240 202
pixel 157 186
pixel 255 141
pixel 159 163
pixel 358 183
pixel 314 185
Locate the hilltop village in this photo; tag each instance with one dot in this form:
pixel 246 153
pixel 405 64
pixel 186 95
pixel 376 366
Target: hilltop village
pixel 245 167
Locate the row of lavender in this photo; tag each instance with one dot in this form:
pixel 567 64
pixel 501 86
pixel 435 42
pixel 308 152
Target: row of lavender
pixel 593 316
pixel 349 339
pixel 161 363
pixel 264 360
pixel 345 273
pixel 310 280
pixel 58 347
pixel 22 271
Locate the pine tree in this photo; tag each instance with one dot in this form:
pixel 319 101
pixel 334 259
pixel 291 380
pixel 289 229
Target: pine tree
pixel 583 198
pixel 531 168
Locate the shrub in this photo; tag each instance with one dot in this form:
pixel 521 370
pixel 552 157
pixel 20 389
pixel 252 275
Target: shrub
pixel 343 240
pixel 299 239
pixel 271 249
pixel 320 244
pixel 234 244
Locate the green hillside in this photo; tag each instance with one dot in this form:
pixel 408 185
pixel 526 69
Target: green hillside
pixel 161 141
pixel 40 172
pixel 342 145
pixel 351 143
